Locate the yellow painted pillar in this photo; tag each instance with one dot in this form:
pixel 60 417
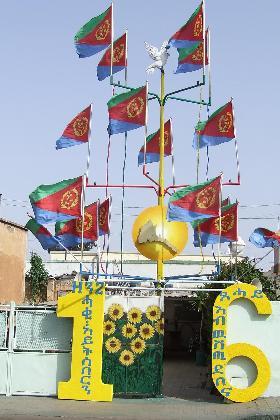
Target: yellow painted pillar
pixel 86 306
pixel 160 266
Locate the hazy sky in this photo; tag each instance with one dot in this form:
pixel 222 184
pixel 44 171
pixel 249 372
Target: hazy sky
pixel 44 84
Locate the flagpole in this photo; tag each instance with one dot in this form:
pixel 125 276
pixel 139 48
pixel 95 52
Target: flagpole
pixel 83 218
pixel 124 162
pixel 220 226
pixel 172 153
pixel 89 141
pixel 160 265
pixel 209 66
pixel 204 42
pixel 236 145
pixel 112 44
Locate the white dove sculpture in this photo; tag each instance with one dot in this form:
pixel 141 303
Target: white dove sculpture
pixel 159 56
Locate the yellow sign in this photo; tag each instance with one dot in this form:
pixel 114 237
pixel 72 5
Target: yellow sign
pixel 86 306
pixel 222 354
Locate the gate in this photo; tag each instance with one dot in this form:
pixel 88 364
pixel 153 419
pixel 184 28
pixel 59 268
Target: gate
pixel 35 346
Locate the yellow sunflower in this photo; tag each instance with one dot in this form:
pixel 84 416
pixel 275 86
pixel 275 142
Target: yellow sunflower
pixel 153 313
pixel 134 315
pixel 146 331
pixel 109 327
pixel 126 357
pixel 113 345
pixel 115 311
pixel 138 345
pixel 129 330
pixel 160 326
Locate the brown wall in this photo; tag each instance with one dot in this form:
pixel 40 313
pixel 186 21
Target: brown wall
pixel 13 245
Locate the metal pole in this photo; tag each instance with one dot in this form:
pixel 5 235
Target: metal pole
pixel 160 267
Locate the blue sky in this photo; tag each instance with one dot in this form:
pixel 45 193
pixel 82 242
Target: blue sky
pixel 44 84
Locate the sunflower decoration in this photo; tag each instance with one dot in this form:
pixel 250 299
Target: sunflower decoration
pixel 134 315
pixel 153 313
pixel 126 357
pixel 129 330
pixel 160 326
pixel 109 327
pixel 146 331
pixel 138 345
pixel 115 311
pixel 113 345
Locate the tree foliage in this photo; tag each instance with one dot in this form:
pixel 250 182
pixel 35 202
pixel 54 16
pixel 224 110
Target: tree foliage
pixel 244 271
pixel 37 278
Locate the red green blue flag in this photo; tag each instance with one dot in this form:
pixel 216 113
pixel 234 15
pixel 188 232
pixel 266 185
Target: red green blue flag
pixel 217 229
pixel 192 59
pixel 42 234
pixel 195 202
pixel 127 111
pixel 95 35
pixel 104 217
pixel 77 131
pixel 191 33
pixel 60 201
pixel 69 233
pixel 262 238
pixel 153 145
pixel 119 59
pixel 218 129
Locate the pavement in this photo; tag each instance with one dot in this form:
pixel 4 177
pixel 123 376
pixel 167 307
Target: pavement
pixel 168 408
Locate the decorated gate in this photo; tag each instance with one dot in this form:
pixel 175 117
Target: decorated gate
pixel 35 347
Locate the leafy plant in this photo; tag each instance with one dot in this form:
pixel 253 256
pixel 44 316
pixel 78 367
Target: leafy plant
pixel 37 278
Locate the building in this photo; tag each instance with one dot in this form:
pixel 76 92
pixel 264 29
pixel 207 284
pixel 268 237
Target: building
pixel 13 247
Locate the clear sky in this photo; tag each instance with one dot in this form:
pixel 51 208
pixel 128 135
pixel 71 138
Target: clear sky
pixel 44 84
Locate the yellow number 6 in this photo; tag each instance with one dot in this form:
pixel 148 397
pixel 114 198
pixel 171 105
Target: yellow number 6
pixel 222 354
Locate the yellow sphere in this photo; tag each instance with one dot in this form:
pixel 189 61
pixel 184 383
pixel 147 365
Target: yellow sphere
pixel 155 237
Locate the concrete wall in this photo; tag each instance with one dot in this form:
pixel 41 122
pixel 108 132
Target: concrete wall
pixel 13 246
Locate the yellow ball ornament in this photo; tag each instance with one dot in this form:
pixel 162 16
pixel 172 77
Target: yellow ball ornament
pixel 155 237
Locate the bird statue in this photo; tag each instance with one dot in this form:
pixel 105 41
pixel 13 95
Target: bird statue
pixel 160 57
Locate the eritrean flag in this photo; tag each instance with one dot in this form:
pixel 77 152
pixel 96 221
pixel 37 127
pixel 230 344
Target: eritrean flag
pixel 209 232
pixel 200 201
pixel 262 238
pixel 218 129
pixel 127 111
pixel 191 33
pixel 42 234
pixel 153 145
pixel 60 201
pixel 77 131
pixel 192 59
pixel 69 232
pixel 104 217
pixel 95 35
pixel 119 59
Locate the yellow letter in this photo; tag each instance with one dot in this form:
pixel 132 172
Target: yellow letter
pixel 222 354
pixel 86 306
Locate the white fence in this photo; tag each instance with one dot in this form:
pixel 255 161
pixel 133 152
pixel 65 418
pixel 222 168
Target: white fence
pixel 35 350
